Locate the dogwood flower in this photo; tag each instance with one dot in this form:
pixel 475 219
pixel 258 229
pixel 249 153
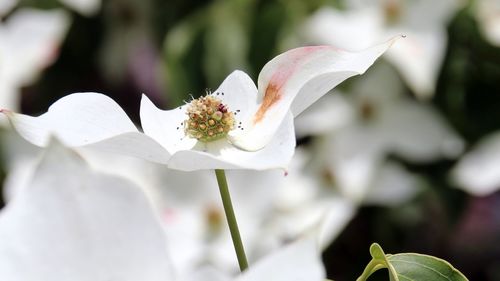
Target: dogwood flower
pixel 84 7
pixel 238 126
pixel 29 42
pixel 488 16
pixel 80 224
pixel 298 261
pixel 378 121
pixel 418 58
pixel 193 217
pixel 6 6
pixel 478 172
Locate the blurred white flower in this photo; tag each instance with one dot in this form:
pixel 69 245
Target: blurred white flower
pixel 267 204
pixel 418 57
pixel 84 7
pixel 304 207
pixel 235 127
pixel 478 172
pixel 29 42
pixel 379 121
pixel 488 16
pixel 72 223
pixel 6 6
pixel 299 261
pixel 79 224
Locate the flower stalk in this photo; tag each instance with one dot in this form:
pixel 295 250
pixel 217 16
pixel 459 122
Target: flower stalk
pixel 231 219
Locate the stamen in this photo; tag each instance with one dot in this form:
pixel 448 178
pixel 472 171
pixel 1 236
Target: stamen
pixel 208 119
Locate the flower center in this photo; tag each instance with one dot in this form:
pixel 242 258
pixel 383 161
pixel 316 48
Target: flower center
pixel 208 119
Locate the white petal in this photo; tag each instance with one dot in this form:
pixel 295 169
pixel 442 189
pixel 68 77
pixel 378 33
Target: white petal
pixel 84 7
pixel 30 42
pixel 330 113
pixel 132 144
pixel 392 186
pixel 338 214
pixel 298 188
pixel 75 224
pixel 239 93
pixel 419 58
pixel 437 14
pixel 10 96
pixel 487 16
pixel 354 155
pixel 9 99
pixel 299 262
pixel 380 86
pixel 222 155
pixel 89 120
pixel 18 178
pixel 166 126
pixel 478 172
pixel 6 6
pixel 416 132
pixel 349 30
pixel 294 80
pixel 205 273
pixel 76 119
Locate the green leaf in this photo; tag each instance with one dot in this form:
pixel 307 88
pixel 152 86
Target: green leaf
pixel 410 267
pixel 377 252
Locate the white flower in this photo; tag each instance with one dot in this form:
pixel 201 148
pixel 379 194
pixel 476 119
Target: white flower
pixel 29 42
pixel 237 126
pixel 6 6
pixel 84 7
pixel 478 172
pixel 299 262
pixel 418 57
pixel 488 16
pixel 305 207
pixel 267 204
pixel 379 121
pixel 79 224
pixel 76 224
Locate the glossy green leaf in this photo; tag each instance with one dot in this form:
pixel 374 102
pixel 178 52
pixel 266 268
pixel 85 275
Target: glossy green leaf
pixel 410 267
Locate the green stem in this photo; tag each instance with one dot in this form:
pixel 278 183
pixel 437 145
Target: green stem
pixel 372 266
pixel 231 219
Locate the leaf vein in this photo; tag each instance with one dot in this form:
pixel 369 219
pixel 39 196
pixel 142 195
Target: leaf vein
pixel 405 277
pixel 422 265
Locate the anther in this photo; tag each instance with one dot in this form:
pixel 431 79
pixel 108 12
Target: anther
pixel 208 118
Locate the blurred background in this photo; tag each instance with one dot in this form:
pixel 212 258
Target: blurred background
pixel 414 143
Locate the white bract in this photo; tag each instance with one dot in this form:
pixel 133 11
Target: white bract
pixel 79 224
pixel 6 6
pixel 267 204
pixel 84 7
pixel 378 121
pixel 299 262
pixel 238 126
pixel 418 57
pixel 478 172
pixel 304 207
pixel 488 16
pixel 29 42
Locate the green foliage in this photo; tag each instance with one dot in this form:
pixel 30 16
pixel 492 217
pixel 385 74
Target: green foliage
pixel 410 266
